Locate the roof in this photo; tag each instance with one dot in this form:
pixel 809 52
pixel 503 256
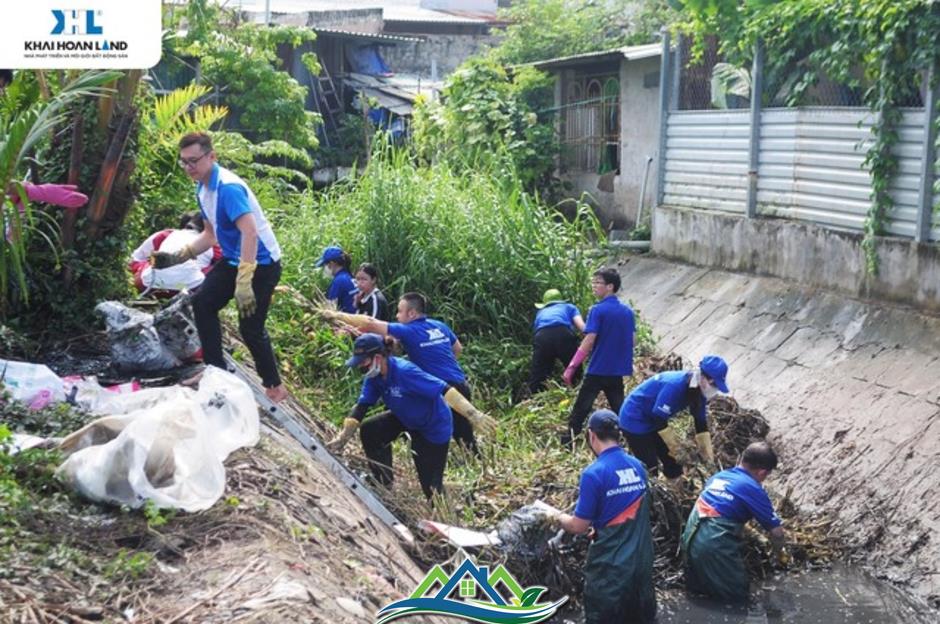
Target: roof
pixel 399 13
pixel 352 34
pixel 629 53
pixel 392 10
pixel 397 93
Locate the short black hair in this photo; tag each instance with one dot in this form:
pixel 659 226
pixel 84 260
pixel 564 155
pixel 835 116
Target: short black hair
pixel 6 77
pixel 202 139
pixel 759 455
pixel 194 218
pixel 610 276
pixel 416 301
pixel 369 269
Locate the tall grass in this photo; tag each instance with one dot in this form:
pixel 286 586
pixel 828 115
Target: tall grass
pixel 481 248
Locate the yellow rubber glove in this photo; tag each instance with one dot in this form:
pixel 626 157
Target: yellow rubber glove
pixel 704 442
pixel 480 421
pixel 349 428
pixel 165 259
pixel 356 320
pixel 244 294
pixel 783 557
pixel 672 443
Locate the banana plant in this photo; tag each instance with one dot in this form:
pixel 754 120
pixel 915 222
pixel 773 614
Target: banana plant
pixel 21 131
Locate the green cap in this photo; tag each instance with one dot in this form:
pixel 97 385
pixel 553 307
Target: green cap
pixel 551 295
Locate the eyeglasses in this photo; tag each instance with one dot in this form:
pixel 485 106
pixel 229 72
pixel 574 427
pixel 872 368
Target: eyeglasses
pixel 191 162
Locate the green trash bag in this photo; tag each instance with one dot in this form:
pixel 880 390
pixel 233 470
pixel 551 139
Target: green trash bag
pixel 618 573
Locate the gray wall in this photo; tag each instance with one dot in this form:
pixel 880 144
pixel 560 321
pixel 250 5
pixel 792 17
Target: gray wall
pixel 639 139
pixel 449 51
pixel 814 256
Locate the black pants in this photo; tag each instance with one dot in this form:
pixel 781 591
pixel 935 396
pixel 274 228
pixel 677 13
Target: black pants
pixel 216 291
pixel 650 449
pixel 463 430
pixel 377 434
pixel 611 385
pixel 550 344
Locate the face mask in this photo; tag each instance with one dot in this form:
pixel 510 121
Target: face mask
pixel 373 370
pixel 708 391
pixel 327 272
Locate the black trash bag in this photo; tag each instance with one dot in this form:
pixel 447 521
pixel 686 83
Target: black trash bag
pixel 176 327
pixel 134 341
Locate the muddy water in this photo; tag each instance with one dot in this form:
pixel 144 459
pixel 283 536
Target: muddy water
pixel 841 595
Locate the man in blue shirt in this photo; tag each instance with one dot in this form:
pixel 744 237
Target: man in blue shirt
pixel 612 501
pixel 711 542
pixel 429 343
pixel 418 403
pixel 250 267
pixel 608 339
pixel 555 339
pixel 645 414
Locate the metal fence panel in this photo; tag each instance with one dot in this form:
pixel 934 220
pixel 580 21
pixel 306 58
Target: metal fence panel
pixel 811 167
pixel 706 159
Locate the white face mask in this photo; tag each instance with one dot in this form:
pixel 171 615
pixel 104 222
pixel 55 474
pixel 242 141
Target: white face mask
pixel 708 391
pixel 374 370
pixel 327 271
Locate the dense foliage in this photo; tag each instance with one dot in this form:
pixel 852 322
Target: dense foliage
pixel 882 48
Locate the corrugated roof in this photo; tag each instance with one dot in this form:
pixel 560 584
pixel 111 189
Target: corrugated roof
pixel 400 13
pixel 630 53
pixel 364 35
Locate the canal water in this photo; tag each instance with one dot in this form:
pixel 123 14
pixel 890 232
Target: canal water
pixel 839 595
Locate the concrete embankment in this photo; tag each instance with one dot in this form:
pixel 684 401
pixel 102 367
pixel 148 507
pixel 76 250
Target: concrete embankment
pixel 849 387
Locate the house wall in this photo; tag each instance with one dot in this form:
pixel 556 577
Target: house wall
pixel 639 140
pixel 448 51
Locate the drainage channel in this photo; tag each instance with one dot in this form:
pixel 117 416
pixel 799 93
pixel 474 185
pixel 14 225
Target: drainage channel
pixel 285 416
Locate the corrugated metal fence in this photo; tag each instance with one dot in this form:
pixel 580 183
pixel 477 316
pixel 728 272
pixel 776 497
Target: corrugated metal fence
pixel 809 164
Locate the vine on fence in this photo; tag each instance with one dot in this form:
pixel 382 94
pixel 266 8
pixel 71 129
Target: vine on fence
pixel 883 47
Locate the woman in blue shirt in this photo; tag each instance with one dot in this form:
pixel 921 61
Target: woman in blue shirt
pixel 342 291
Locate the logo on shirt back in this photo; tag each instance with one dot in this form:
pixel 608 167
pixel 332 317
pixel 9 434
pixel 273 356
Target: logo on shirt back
pixel 435 336
pixel 718 487
pixel 395 391
pixel 628 476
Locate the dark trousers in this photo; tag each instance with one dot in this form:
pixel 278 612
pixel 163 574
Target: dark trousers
pixel 550 344
pixel 463 430
pixel 612 387
pixel 216 291
pixel 377 434
pixel 650 449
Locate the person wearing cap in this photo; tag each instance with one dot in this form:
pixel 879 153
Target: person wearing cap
pixel 427 342
pixel 645 415
pixel 555 339
pixel 335 263
pixel 608 339
pixel 418 403
pixel 711 542
pixel 251 260
pixel 613 504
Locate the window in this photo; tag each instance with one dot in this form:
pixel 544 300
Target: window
pixel 591 135
pixel 468 588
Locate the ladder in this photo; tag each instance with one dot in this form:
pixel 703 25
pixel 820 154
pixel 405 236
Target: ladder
pixel 328 104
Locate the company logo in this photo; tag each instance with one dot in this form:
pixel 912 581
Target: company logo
pixel 435 334
pixel 628 476
pixel 76 22
pixel 469 582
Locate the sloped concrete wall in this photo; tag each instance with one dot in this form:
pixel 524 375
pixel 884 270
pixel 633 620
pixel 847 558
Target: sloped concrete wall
pixel 851 390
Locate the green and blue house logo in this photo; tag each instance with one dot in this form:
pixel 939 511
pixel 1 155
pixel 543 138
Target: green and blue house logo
pixel 477 598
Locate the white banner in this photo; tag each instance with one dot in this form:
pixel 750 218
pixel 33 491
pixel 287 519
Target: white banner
pixel 81 34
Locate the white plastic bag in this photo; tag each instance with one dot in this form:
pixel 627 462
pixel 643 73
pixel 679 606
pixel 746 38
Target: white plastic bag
pixel 166 445
pixel 33 384
pixel 135 342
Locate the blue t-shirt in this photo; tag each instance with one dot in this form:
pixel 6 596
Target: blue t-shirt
pixel 343 291
pixel 222 201
pixel 738 497
pixel 414 397
pixel 557 313
pixel 614 324
pixel 429 344
pixel 656 400
pixel 612 483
